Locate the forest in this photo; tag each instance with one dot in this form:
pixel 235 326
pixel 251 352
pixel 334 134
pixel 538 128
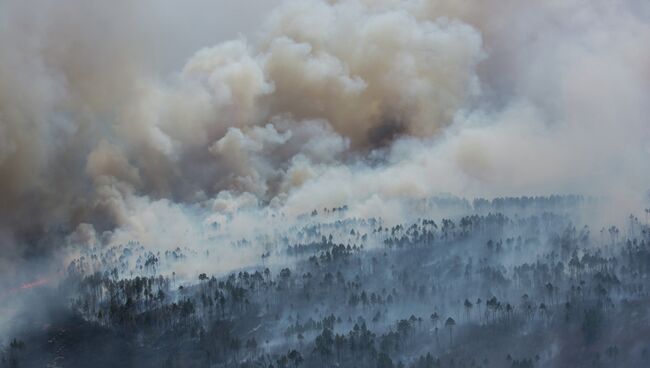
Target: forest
pixel 509 282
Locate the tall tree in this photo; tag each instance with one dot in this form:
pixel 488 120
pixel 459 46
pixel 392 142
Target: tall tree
pixel 450 323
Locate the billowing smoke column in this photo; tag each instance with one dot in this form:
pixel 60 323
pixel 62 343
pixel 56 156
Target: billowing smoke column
pixel 327 103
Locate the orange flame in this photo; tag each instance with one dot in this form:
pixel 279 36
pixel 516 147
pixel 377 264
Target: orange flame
pixel 33 284
pixel 24 287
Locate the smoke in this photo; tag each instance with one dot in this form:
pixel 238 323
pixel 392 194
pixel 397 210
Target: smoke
pixel 106 136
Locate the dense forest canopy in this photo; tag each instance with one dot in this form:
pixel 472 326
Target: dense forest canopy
pixel 516 282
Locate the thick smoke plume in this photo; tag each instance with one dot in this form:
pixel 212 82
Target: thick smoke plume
pixel 104 138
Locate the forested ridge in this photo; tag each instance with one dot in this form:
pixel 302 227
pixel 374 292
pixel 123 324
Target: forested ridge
pixel 512 282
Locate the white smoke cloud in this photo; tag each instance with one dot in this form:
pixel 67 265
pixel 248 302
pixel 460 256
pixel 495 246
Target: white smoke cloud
pixel 327 103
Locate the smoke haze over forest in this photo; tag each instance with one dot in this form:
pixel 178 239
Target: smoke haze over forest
pixel 200 123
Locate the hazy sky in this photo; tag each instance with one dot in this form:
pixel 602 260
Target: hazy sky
pixel 185 26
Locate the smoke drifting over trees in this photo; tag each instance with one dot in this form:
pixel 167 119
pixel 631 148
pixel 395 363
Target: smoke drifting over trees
pixel 217 129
